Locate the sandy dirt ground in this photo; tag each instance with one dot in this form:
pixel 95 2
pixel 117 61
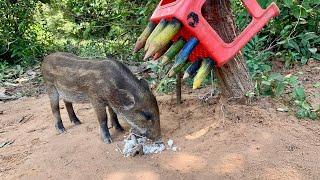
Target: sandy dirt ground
pixel 216 140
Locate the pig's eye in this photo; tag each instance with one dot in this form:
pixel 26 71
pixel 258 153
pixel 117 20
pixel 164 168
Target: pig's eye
pixel 147 115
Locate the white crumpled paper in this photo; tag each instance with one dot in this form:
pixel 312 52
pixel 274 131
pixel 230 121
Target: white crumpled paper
pixel 140 145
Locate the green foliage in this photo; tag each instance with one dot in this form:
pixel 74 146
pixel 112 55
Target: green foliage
pixel 300 49
pixel 317 85
pixel 164 83
pixel 7 72
pixel 31 29
pixel 17 42
pixel 295 33
pixel 304 109
pixel 257 59
pixel 293 38
pixel 98 28
pixel 276 85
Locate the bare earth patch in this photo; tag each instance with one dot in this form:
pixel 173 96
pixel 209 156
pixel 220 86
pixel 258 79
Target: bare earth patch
pixel 237 141
pixel 215 140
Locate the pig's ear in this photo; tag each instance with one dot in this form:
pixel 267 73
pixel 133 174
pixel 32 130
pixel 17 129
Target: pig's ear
pixel 144 83
pixel 126 99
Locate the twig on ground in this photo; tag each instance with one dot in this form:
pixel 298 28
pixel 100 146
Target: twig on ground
pixel 85 108
pixel 138 135
pixel 25 118
pixel 223 115
pixel 118 148
pixel 68 163
pixel 6 143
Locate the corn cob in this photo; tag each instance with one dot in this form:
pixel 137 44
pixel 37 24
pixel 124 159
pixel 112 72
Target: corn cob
pixel 163 38
pixel 192 69
pixel 182 57
pixel 162 24
pixel 206 66
pixel 144 36
pixel 162 51
pixel 181 68
pixel 173 51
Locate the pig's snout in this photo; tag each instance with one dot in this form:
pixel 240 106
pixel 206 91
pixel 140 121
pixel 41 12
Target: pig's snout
pixel 154 133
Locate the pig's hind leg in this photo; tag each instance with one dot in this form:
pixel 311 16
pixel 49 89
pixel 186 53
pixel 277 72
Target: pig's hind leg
pixel 100 110
pixel 72 116
pixel 114 119
pixel 54 102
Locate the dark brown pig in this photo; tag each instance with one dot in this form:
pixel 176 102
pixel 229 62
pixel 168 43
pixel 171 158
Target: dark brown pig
pixel 103 83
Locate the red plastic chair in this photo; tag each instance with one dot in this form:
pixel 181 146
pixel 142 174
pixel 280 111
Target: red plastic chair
pixel 211 45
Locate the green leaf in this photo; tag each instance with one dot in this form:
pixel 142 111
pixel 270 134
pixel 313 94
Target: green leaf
pixel 288 2
pixel 308 36
pixel 305 105
pixel 304 60
pixel 313 50
pixel 299 93
pixel 294 45
pixel 301 113
pixel 268 83
pixel 282 42
pixel 293 80
pixel 313 115
pixel 279 89
pixel 316 85
pixel 316 56
pixel 276 76
pixel 298 11
pixel 266 68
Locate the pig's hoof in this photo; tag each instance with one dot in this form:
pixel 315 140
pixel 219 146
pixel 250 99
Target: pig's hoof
pixel 119 129
pixel 60 128
pixel 105 135
pixel 107 140
pixel 76 122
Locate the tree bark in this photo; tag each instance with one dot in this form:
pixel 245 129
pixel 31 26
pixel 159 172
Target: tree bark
pixel 233 78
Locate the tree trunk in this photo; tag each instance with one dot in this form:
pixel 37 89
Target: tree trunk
pixel 233 78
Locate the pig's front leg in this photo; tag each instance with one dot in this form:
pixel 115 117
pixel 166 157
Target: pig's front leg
pixel 72 116
pixel 114 119
pixel 100 109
